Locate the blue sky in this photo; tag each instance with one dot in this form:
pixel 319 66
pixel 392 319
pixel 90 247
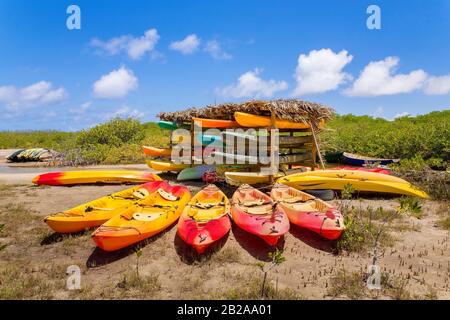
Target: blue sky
pixel 137 58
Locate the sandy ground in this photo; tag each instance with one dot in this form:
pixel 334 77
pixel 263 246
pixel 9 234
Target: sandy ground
pixel 34 260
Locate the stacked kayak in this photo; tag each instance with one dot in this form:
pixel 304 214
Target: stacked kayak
pixel 166 166
pixel 251 120
pixel 252 178
pixel 360 180
pixel 308 212
pixel 34 154
pixel 205 219
pixel 195 173
pixel 256 213
pixel 93 176
pixel 144 218
pixel 94 213
pixel 215 123
pixel 157 152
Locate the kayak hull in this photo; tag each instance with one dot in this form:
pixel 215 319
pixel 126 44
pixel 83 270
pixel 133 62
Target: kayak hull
pixel 251 120
pixel 94 213
pixel 357 160
pixel 157 152
pixel 165 166
pixel 361 181
pixel 194 173
pixel 215 123
pixel 269 226
pixel 90 177
pixel 309 212
pixel 160 210
pixel 205 219
pixel 251 178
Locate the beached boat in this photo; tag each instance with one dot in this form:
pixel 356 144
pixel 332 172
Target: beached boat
pixel 256 213
pixel 94 176
pixel 205 219
pixel 360 180
pixel 143 219
pixel 308 211
pixel 252 178
pixel 358 160
pixel 94 213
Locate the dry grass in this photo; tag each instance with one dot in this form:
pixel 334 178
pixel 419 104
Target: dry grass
pixel 250 289
pixel 17 284
pixel 352 285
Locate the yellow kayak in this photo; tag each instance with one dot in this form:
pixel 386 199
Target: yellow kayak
pixel 94 213
pixel 238 178
pixel 143 219
pixel 251 120
pixel 353 175
pixel 374 182
pixel 166 165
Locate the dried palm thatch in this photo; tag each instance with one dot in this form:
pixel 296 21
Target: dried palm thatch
pixel 286 109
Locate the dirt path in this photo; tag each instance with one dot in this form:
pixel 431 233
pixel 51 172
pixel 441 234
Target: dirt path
pixel 33 261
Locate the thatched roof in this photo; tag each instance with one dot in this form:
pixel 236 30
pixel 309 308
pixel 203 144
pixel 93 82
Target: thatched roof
pixel 287 109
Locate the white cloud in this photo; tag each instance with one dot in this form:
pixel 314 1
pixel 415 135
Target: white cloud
pixel 136 48
pixel 186 46
pixel 378 112
pixel 82 109
pixel 437 85
pixel 377 79
pixel 402 114
pixel 321 71
pixel 37 94
pixel 251 85
pixel 125 112
pixel 116 84
pixel 214 48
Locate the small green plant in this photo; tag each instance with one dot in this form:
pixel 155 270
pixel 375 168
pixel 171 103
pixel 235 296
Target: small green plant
pixel 277 259
pixel 138 256
pixel 410 205
pixel 348 191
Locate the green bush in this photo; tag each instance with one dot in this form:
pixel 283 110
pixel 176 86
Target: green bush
pixel 113 133
pixel 424 137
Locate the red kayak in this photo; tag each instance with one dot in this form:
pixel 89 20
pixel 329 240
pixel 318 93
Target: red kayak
pixel 205 219
pixel 309 212
pixel 377 170
pixel 255 212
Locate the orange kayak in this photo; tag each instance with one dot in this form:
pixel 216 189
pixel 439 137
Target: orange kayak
pixel 205 219
pixel 251 120
pixel 157 152
pixel 255 212
pixel 215 123
pixel 309 212
pixel 143 219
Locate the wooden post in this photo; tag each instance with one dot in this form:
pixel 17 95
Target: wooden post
pixel 317 149
pixel 273 125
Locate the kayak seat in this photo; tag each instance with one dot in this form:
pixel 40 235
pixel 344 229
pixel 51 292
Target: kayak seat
pixel 259 210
